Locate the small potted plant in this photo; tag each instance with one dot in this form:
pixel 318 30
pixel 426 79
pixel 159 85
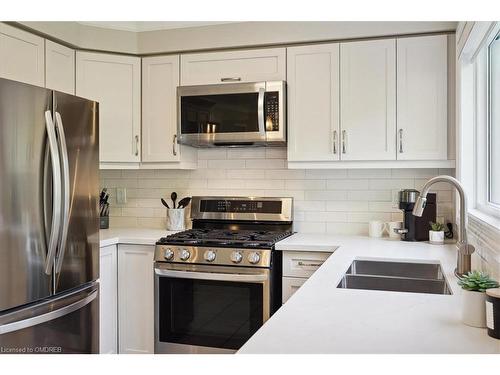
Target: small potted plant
pixel 474 285
pixel 436 234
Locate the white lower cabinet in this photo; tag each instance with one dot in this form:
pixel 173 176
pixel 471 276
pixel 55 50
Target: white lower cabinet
pixel 290 286
pixel 298 266
pixel 108 301
pixel 135 299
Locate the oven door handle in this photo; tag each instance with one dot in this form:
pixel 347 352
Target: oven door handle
pixel 211 276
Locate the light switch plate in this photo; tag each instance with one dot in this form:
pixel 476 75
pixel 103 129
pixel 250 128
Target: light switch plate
pixel 121 195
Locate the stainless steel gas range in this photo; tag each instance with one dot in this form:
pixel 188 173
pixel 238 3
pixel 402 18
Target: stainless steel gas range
pixel 216 284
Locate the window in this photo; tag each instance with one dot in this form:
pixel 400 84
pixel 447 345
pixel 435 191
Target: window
pixel 494 123
pixel 487 124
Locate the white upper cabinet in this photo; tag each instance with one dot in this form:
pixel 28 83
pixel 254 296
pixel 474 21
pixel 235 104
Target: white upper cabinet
pixel 368 100
pixel 160 78
pixel 313 102
pixel 422 98
pixel 59 67
pixel 233 66
pixel 21 56
pixel 115 82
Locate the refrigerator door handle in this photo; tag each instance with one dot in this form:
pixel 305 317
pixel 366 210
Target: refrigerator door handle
pixel 65 192
pixel 48 315
pixel 56 193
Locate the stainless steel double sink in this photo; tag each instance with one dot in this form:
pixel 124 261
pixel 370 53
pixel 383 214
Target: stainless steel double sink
pixel 395 276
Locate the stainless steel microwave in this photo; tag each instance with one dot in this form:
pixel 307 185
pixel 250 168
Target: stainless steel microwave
pixel 233 114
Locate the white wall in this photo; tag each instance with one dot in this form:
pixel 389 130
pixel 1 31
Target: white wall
pixel 335 201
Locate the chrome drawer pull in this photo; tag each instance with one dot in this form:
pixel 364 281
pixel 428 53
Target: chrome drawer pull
pixel 309 264
pixel 231 79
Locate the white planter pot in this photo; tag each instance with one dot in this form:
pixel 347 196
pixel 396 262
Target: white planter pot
pixel 436 237
pixel 474 308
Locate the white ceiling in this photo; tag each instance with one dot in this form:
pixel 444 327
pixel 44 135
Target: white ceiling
pixel 139 26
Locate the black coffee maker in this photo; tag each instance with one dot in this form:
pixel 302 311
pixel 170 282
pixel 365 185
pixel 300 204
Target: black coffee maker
pixel 416 228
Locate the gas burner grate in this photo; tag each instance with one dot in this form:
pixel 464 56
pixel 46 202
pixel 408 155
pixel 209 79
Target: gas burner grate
pixel 224 237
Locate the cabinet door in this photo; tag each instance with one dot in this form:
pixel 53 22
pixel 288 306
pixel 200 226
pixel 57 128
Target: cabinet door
pixel 368 100
pixel 135 299
pixel 422 98
pixel 115 82
pixel 313 102
pixel 108 301
pixel 233 66
pixel 59 67
pixel 21 56
pixel 160 78
pixel 290 286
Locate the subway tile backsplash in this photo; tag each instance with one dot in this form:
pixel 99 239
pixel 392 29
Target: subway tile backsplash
pixel 335 201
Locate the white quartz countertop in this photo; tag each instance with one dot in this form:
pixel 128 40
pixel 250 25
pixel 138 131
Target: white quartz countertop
pixel 137 236
pixel 321 318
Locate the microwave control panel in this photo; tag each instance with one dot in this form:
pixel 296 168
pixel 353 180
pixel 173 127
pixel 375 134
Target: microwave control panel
pixel 271 110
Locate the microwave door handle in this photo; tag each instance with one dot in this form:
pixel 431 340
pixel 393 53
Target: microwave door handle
pixel 260 112
pixel 211 276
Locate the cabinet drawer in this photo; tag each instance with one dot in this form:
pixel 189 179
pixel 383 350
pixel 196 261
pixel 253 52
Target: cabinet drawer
pixel 233 66
pixel 290 286
pixel 302 264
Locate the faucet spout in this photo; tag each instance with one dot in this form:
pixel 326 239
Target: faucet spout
pixel 464 248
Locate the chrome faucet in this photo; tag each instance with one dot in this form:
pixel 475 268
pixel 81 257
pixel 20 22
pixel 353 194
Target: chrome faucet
pixel 464 249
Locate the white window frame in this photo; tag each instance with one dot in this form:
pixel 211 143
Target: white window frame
pixel 482 125
pixel 473 40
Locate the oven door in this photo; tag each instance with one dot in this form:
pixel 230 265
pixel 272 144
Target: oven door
pixel 231 114
pixel 208 309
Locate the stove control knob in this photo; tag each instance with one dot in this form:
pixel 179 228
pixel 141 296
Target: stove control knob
pixel 254 258
pixel 168 254
pixel 209 255
pixel 185 254
pixel 236 257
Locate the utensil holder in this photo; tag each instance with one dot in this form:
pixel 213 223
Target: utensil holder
pixel 175 219
pixel 104 222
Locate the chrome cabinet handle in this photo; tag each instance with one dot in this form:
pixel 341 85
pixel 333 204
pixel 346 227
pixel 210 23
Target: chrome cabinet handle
pixel 334 141
pixel 56 193
pixel 303 264
pixel 400 141
pixel 343 141
pixel 136 145
pixel 65 191
pixel 230 79
pixel 174 141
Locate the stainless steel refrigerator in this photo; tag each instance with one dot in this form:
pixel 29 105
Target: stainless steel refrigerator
pixel 49 225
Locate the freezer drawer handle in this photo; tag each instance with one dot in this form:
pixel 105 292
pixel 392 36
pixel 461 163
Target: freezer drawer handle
pixel 43 318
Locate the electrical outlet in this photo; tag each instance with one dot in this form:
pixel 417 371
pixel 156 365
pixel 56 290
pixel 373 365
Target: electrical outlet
pixel 121 195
